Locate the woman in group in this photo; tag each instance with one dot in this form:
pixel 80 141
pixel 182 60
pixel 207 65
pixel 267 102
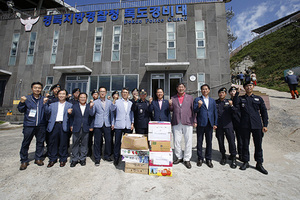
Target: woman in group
pixel 159 107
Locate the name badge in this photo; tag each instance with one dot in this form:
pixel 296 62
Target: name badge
pixel 227 103
pixel 32 113
pixel 256 99
pixel 141 111
pixel 243 105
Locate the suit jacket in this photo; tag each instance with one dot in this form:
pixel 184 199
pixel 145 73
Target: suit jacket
pixel 122 119
pixel 78 121
pixel 103 116
pixel 52 111
pixel 182 114
pixel 204 115
pixel 162 114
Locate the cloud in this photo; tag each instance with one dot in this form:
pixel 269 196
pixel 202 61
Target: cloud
pixel 287 7
pixel 249 20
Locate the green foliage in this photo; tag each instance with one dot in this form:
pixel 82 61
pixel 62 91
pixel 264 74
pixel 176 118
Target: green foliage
pixel 272 55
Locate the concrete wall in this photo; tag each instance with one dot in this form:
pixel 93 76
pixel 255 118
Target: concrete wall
pixel 140 44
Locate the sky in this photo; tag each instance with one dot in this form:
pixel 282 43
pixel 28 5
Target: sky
pixel 249 14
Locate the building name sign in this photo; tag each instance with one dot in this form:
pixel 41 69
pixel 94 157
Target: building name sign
pixel 131 16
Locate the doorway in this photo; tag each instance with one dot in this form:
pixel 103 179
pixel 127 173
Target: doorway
pixel 157 81
pixel 2 90
pixel 174 79
pixel 73 82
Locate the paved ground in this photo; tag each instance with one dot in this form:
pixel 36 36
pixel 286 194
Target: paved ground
pixel 281 153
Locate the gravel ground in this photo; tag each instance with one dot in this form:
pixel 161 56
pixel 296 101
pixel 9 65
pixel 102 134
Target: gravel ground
pixel 281 154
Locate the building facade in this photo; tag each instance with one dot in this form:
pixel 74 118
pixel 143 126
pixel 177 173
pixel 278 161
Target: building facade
pixel 141 47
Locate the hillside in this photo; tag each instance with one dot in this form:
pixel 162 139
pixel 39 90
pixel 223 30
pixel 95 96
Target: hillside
pixel 272 55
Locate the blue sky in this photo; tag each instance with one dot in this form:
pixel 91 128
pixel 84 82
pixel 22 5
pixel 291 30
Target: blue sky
pixel 249 14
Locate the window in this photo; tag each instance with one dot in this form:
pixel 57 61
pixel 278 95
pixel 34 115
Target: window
pixel 116 43
pixel 114 82
pixel 171 41
pixel 201 81
pixel 49 80
pixel 200 39
pixel 30 53
pixel 14 49
pixel 98 45
pixel 54 47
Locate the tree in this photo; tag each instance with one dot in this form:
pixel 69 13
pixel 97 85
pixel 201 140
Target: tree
pixel 230 34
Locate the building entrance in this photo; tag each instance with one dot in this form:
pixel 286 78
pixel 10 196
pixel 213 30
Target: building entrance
pixel 73 82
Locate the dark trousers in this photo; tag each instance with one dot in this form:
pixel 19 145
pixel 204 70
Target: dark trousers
pixel 118 138
pixel 98 142
pixel 80 146
pixel 257 135
pixel 229 134
pixel 239 140
pixel 28 133
pixel 141 130
pixel 90 143
pixel 207 131
pixel 112 141
pixel 58 144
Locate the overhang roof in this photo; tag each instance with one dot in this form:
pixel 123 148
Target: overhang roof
pixel 4 72
pixel 168 66
pixel 73 69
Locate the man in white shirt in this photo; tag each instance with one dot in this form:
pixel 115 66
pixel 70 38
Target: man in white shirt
pixel 122 121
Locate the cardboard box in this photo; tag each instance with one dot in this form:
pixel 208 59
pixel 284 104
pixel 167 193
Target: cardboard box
pixel 132 152
pixel 135 159
pixel 159 131
pixel 160 145
pixel 161 158
pixel 135 142
pixel 160 171
pixel 138 168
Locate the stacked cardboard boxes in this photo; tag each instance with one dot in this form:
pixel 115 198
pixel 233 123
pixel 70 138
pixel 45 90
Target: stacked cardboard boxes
pixel 161 155
pixel 135 153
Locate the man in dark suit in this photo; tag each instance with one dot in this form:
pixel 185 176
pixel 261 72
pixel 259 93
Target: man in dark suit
pixel 207 118
pixel 225 127
pixel 254 119
pixel 34 124
pixel 58 128
pixel 160 107
pixel 102 111
pixel 80 126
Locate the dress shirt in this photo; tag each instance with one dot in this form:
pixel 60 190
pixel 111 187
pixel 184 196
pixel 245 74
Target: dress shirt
pixel 160 103
pixel 103 102
pixel 180 98
pixel 60 112
pixel 206 100
pixel 82 108
pixel 125 104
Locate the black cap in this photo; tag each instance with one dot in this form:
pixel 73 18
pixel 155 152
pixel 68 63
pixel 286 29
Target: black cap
pixel 248 82
pixel 115 92
pixel 231 88
pixel 223 89
pixel 55 86
pixel 135 89
pixel 75 90
pixel 94 91
pixel 143 91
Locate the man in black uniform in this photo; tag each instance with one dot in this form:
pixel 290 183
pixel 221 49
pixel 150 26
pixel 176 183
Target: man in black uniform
pixel 253 114
pixel 53 98
pixel 141 113
pixel 75 98
pixel 236 119
pixel 225 109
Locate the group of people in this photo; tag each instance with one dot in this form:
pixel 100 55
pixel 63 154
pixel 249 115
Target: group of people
pixel 241 78
pixel 54 118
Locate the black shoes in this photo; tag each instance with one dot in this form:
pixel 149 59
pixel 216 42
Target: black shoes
pixel 97 163
pixel 199 163
pixel 108 159
pixel 116 162
pixel 244 166
pixel 50 164
pixel 209 164
pixel 261 169
pixel 223 160
pixel 177 161
pixel 73 164
pixel 187 164
pixel 233 163
pixel 82 162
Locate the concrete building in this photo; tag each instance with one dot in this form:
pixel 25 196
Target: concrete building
pixel 145 46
